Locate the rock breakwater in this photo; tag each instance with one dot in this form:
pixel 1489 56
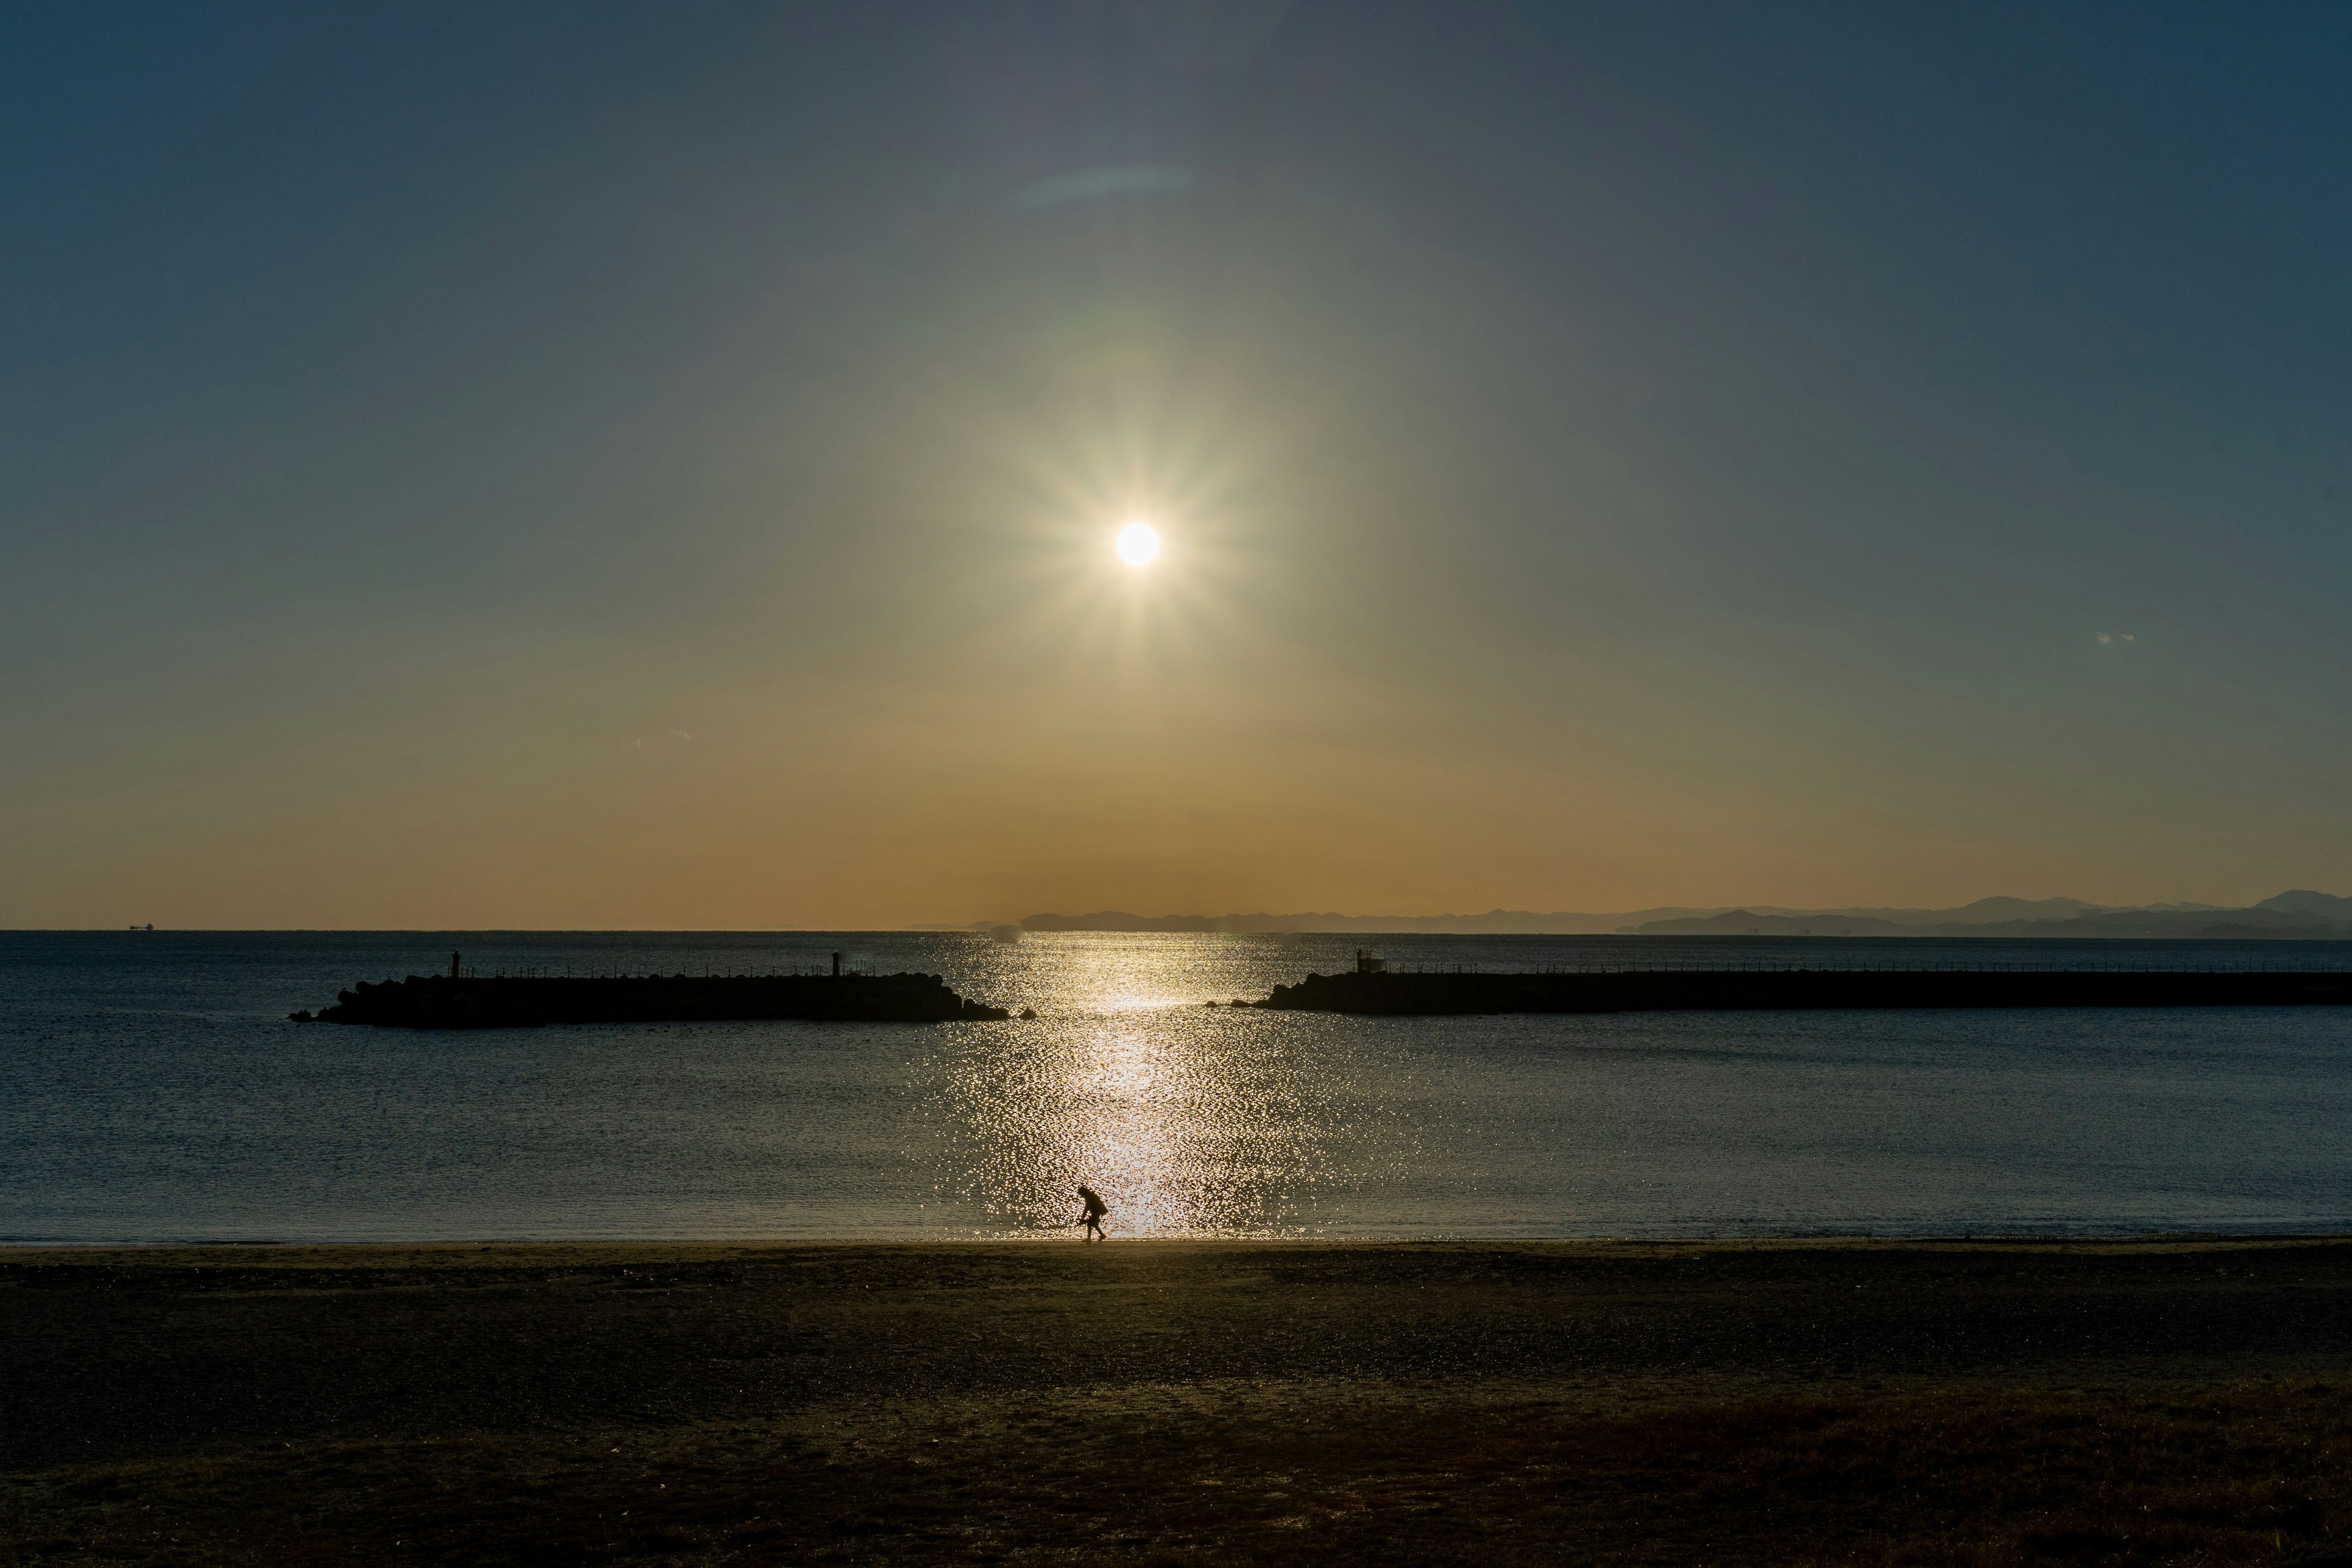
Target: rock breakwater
pixel 1393 992
pixel 443 1002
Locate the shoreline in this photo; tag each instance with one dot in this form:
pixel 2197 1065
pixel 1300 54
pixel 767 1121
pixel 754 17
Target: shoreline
pixel 1596 1246
pixel 1612 1245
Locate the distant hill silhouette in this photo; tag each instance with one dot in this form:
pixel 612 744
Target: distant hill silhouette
pixel 2294 914
pixel 2302 901
pixel 2298 913
pixel 2110 923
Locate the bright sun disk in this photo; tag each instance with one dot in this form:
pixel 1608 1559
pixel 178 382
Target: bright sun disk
pixel 1138 544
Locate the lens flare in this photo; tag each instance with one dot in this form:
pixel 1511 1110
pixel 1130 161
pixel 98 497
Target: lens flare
pixel 1139 544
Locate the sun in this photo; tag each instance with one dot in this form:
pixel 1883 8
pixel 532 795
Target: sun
pixel 1139 544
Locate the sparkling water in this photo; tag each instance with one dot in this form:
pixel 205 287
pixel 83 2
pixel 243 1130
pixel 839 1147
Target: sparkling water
pixel 151 1090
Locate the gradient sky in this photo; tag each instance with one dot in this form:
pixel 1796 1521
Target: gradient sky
pixel 656 466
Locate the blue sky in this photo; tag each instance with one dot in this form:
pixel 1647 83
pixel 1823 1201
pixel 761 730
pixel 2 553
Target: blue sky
pixel 655 466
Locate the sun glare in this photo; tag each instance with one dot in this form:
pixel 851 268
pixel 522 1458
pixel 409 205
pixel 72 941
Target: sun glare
pixel 1138 543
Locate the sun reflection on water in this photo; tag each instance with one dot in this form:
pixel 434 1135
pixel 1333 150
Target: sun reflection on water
pixel 1188 1119
pixel 1185 1124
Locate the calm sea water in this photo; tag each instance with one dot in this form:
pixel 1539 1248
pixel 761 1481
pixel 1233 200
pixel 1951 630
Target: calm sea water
pixel 149 1090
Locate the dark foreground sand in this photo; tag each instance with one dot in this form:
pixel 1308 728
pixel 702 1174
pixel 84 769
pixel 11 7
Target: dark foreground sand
pixel 1876 1403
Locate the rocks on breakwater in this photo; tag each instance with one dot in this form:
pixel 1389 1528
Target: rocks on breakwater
pixel 444 1002
pixel 1394 993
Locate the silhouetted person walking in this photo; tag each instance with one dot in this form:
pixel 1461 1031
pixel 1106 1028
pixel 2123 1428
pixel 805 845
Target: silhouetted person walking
pixel 1095 1209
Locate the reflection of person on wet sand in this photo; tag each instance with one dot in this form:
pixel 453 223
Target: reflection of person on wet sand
pixel 1095 1209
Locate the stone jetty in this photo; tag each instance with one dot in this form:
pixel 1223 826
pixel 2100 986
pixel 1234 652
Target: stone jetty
pixel 447 1002
pixel 1389 992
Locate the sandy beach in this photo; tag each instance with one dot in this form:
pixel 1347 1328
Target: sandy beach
pixel 1953 1402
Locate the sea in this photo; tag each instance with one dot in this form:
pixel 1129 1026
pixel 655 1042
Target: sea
pixel 151 1091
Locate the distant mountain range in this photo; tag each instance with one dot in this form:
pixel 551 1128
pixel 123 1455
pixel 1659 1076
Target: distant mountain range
pixel 2300 913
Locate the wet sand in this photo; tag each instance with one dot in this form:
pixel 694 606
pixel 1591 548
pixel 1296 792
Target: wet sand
pixel 1955 1402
